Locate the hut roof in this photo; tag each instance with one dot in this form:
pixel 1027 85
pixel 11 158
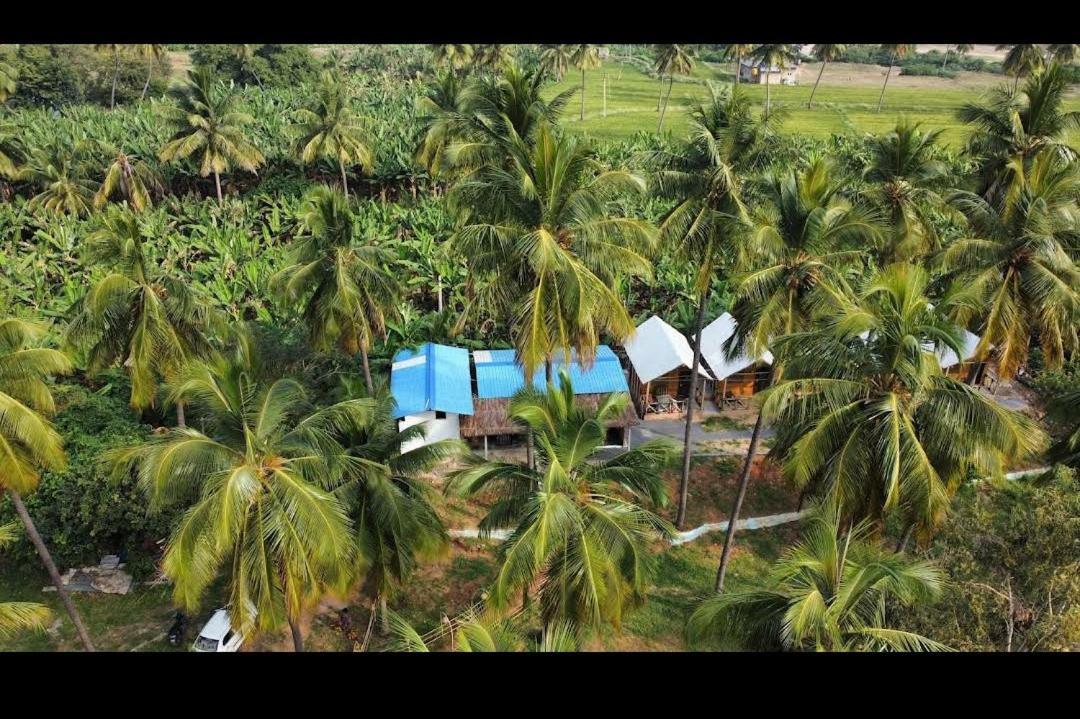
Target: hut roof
pixel 498 373
pixel 947 358
pixel 492 416
pixel 713 338
pixel 656 348
pixel 433 377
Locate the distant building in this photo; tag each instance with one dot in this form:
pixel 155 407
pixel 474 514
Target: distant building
pixel 431 386
pixel 499 377
pixel 755 71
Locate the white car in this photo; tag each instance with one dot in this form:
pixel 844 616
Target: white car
pixel 218 635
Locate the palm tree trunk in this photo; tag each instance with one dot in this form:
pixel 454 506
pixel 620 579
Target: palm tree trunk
pixel 384 616
pixel 297 637
pixel 529 449
pixel 367 372
pixel 663 110
pixel 1016 82
pixel 660 95
pixel 946 61
pixel 217 184
pixel 810 104
pixel 604 112
pixel 886 84
pixel 768 98
pixel 582 118
pixel 744 480
pixel 905 538
pixel 344 179
pixel 149 74
pixel 180 420
pixel 50 566
pixel 684 483
pixel 548 375
pixel 115 75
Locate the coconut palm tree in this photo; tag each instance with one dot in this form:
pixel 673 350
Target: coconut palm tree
pixel 824 54
pixel 137 315
pixel 492 57
pixel 803 236
pixel 18 617
pixel 1064 412
pixel 58 168
pixel 575 523
pixel 1062 53
pixel 115 50
pixel 152 53
pixel 1010 129
pixel 541 226
pixel 1015 276
pixel 329 128
pixel 29 441
pixel 348 287
pixel 452 57
pixel 555 60
pixel 128 179
pixel 703 176
pixel 960 50
pixel 388 500
pixel 245 56
pixel 867 418
pixel 584 57
pixel 904 171
pixel 736 53
pixel 772 56
pixel 479 633
pixel 208 126
pixel 896 52
pixel 1021 60
pixel 257 492
pixel 12 152
pixel 9 76
pixel 830 592
pixel 671 59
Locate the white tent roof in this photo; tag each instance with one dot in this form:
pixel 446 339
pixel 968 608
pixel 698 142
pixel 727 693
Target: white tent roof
pixel 947 357
pixel 713 338
pixel 656 348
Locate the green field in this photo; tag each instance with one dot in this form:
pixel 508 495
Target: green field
pixel 632 99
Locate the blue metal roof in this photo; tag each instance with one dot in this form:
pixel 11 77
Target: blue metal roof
pixel 434 377
pixel 499 375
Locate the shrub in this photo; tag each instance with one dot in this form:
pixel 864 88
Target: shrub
pixel 270 65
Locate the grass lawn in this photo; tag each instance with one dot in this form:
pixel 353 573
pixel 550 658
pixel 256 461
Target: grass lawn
pixel 632 100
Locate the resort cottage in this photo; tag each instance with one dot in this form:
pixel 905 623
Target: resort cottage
pixel 431 386
pixel 660 365
pixel 755 72
pixel 733 379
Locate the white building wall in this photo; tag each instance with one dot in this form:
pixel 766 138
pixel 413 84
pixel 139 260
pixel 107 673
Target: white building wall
pixel 435 429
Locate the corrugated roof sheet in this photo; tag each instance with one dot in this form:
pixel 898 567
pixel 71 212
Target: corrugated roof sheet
pixel 432 378
pixel 713 338
pixel 657 348
pixel 499 375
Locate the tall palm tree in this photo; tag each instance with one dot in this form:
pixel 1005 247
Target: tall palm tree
pixel 1021 60
pixel 904 172
pixel 492 57
pixel 58 168
pixel 824 54
pixel 896 52
pixel 452 57
pixel 1016 276
pixel 29 441
pixel 959 49
pixel 541 225
pixel 481 633
pixel 329 128
pixel 555 60
pixel 129 179
pixel 18 617
pixel 348 287
pixel 575 522
pixel 867 418
pixel 584 57
pixel 703 177
pixel 115 50
pixel 772 56
pixel 9 76
pixel 1010 129
pixel 207 125
pixel 257 491
pixel 137 315
pixel 1062 53
pixel 736 53
pixel 671 59
pixel 388 501
pixel 830 592
pixel 152 53
pixel 804 237
pixel 245 56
